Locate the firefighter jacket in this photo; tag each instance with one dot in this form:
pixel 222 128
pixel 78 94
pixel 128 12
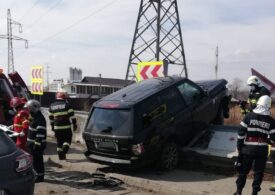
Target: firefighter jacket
pixel 253 98
pixel 255 95
pixel 37 131
pixel 61 115
pixel 21 126
pixel 253 134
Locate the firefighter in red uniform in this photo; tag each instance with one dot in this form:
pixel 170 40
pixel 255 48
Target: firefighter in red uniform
pixel 20 122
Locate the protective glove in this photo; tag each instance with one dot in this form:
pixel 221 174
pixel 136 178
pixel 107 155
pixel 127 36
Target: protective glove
pixel 21 134
pixel 74 127
pixel 243 104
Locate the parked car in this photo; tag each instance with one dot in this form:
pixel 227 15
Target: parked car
pixel 148 121
pixel 17 176
pixel 14 86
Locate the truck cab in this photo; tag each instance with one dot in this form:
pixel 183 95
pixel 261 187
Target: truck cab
pixel 10 86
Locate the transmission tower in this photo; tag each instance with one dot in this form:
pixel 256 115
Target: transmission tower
pixel 11 37
pixel 157 36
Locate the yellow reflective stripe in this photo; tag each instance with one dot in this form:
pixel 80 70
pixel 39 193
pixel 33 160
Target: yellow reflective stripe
pixel 37 143
pixel 254 101
pixel 59 149
pixel 30 140
pixel 66 144
pixel 60 113
pixel 70 110
pixel 16 125
pixel 50 114
pixel 62 127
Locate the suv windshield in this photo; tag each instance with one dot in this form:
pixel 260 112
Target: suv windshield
pixel 110 121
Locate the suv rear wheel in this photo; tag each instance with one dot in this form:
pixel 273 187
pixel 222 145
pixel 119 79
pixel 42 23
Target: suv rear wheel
pixel 169 157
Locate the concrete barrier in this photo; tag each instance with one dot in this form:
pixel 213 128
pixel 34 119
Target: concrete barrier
pixel 81 118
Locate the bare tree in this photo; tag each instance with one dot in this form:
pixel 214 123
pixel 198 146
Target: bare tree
pixel 236 88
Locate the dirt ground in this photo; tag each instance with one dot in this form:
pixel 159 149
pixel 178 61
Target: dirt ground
pixel 73 177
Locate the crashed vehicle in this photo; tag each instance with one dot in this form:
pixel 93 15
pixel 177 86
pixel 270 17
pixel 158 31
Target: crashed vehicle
pixel 17 176
pixel 9 88
pixel 147 122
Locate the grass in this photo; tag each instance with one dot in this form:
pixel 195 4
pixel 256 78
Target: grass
pixel 235 116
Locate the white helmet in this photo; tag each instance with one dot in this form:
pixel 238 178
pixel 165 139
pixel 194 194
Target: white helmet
pixel 264 101
pixel 33 106
pixel 254 80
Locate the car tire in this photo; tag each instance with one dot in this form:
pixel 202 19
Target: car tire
pixel 169 157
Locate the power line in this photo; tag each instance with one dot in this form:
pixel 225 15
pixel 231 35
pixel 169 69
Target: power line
pixel 34 4
pixel 76 23
pixel 10 37
pixel 45 13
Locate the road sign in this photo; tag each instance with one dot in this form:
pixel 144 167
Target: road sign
pixel 148 70
pixel 37 80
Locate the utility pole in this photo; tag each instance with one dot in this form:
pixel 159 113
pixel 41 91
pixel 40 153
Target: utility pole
pixel 157 36
pixel 217 62
pixel 9 36
pixel 99 85
pixel 48 75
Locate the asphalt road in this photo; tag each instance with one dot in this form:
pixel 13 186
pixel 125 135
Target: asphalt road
pixel 75 176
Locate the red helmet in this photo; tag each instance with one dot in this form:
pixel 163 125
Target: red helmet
pixel 60 95
pixel 15 102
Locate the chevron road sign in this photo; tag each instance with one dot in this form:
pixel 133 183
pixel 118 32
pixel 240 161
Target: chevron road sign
pixel 37 80
pixel 148 70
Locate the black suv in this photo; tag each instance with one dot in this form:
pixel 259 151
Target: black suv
pixel 148 121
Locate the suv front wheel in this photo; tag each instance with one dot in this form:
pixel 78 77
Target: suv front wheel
pixel 169 157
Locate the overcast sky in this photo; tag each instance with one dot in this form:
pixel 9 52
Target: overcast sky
pixel 101 41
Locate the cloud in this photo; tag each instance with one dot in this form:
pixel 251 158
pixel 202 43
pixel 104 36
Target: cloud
pixel 101 43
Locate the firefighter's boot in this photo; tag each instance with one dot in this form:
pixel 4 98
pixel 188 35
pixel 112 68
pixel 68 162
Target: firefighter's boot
pixel 61 155
pixel 238 192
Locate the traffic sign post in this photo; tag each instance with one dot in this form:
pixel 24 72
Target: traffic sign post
pixel 37 80
pixel 148 70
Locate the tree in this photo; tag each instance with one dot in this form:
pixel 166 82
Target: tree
pixel 236 89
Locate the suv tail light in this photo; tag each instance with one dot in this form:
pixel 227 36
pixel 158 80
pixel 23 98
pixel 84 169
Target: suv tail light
pixel 138 149
pixel 24 162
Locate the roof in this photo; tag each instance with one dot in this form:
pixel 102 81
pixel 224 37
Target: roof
pixel 138 91
pixel 105 81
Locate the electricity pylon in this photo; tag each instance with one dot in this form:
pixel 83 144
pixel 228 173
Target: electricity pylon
pixel 157 36
pixel 11 37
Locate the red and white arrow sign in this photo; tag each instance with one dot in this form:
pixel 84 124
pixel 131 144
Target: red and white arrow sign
pixel 37 73
pixel 150 70
pixel 37 88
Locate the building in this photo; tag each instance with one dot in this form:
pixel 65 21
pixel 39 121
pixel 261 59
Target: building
pixel 95 87
pixel 56 85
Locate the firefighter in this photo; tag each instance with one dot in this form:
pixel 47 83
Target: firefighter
pixel 37 138
pixel 256 91
pixel 252 143
pixel 62 117
pixel 20 121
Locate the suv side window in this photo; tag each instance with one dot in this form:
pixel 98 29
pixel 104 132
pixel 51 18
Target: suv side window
pixel 172 100
pixel 190 93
